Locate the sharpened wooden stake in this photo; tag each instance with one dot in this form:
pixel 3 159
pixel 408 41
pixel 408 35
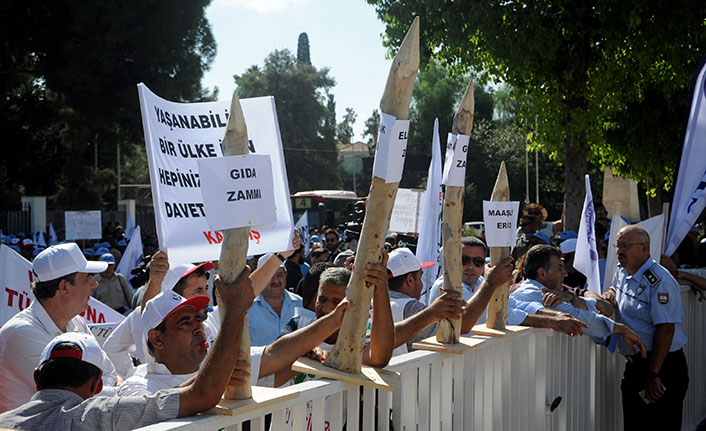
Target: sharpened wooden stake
pixel 347 352
pixel 449 330
pixel 234 248
pixel 497 308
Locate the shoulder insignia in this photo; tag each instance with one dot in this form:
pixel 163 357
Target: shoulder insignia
pixel 651 277
pixel 663 298
pixel 641 288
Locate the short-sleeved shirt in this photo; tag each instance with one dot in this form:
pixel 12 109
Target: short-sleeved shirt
pixel 22 340
pixel 648 298
pixel 528 297
pixel 467 292
pixel 57 409
pixel 265 325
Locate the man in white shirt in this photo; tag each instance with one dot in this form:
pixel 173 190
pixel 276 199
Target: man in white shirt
pixel 64 280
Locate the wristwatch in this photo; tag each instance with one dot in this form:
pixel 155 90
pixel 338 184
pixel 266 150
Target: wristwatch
pixel 280 257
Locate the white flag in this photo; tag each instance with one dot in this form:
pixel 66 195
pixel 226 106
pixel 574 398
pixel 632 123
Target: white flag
pixel 611 262
pixel 690 189
pixel 132 256
pixel 586 257
pixel 40 239
pixel 53 239
pixel 303 227
pixel 654 226
pixel 429 241
pixel 129 227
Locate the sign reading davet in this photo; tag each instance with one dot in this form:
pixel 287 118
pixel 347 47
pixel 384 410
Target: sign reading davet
pixel 500 223
pixel 237 191
pixel 177 136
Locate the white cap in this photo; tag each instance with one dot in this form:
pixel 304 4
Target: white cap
pixel 161 306
pixel 261 261
pixel 403 261
pixel 89 351
pixel 63 259
pixel 180 271
pixel 568 246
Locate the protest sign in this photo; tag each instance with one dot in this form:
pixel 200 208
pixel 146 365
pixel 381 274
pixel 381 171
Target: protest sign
pixel 391 149
pixel 177 135
pixel 500 223
pixel 237 191
pixel 455 163
pixel 407 212
pixel 16 280
pixel 83 225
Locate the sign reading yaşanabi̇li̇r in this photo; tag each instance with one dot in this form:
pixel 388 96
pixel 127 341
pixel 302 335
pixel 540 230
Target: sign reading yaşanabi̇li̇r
pixel 237 191
pixel 177 136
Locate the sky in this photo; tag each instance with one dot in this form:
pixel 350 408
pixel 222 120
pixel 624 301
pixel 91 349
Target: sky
pixel 344 35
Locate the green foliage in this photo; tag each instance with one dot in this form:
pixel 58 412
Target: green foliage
pixel 370 131
pixel 300 92
pixel 303 49
pixel 591 77
pixel 69 72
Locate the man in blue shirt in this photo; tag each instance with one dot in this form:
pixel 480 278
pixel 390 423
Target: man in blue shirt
pixel 648 299
pixel 544 272
pixel 473 261
pixel 272 309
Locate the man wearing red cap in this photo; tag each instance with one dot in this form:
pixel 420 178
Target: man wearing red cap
pixel 62 288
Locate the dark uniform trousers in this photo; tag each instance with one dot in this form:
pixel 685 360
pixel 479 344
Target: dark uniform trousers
pixel 665 414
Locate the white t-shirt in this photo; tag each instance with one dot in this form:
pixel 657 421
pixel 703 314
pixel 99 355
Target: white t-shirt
pixel 22 340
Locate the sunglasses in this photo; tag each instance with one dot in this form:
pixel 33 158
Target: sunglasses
pixel 534 212
pixel 477 261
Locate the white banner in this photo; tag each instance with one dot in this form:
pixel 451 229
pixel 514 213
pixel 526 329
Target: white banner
pixel 586 257
pixel 303 227
pixel 500 220
pixel 429 242
pixel 16 280
pixel 407 211
pixel 391 148
pixel 455 163
pixel 238 192
pixel 132 256
pixel 83 225
pixel 690 189
pixel 177 135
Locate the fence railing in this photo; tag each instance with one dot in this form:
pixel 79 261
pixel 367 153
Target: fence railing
pixel 506 383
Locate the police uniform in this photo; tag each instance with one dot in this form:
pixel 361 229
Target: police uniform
pixel 645 299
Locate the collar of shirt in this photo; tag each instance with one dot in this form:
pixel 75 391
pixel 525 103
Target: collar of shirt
pixel 56 396
pixel 287 298
pixel 45 320
pixel 529 283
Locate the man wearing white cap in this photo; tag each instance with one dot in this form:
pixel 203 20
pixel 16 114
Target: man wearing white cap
pixel 64 280
pixel 68 375
pixel 414 322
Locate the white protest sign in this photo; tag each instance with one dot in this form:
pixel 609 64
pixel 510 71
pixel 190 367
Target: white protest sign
pixel 407 212
pixel 83 225
pixel 455 163
pixel 500 223
pixel 237 191
pixel 102 330
pixel 16 280
pixel 391 148
pixel 177 135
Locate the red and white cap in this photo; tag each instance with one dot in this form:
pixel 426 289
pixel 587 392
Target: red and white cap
pixel 163 305
pixel 63 259
pixel 178 272
pixel 88 349
pixel 403 261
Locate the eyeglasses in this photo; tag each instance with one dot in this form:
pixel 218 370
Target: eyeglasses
pixel 477 261
pixel 626 244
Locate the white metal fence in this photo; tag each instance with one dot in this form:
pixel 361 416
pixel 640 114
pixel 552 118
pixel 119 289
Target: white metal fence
pixel 506 383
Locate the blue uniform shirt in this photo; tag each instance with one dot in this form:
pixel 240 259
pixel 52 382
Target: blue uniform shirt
pixel 647 298
pixel 466 290
pixel 528 297
pixel 265 325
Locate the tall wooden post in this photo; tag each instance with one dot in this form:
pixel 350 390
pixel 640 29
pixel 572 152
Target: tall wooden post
pixel 497 308
pixel 449 330
pixel 346 353
pixel 234 248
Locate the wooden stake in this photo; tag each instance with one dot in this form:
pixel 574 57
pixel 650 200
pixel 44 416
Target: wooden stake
pixel 449 330
pixel 234 248
pixel 346 353
pixel 497 308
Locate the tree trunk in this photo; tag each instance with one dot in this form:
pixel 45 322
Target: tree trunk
pixel 346 354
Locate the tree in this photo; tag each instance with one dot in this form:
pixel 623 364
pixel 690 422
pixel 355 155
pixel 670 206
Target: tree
pixel 370 131
pixel 300 92
pixel 345 127
pixel 576 67
pixel 303 49
pixel 68 72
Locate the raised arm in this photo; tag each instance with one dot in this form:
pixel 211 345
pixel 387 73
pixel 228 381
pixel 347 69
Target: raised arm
pixel 447 306
pixel 495 277
pixel 382 334
pixel 158 266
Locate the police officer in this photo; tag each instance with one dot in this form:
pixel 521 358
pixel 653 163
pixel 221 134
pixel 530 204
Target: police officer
pixel 648 301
